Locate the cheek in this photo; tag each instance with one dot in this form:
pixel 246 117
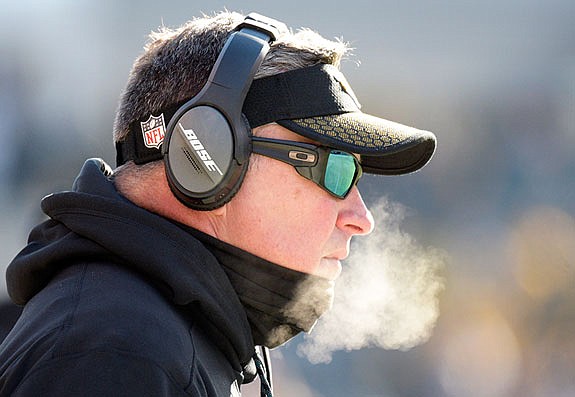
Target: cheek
pixel 287 219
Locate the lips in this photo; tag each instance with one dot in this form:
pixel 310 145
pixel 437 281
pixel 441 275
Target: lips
pixel 339 254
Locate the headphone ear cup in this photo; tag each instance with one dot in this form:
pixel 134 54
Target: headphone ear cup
pixel 201 168
pixel 208 140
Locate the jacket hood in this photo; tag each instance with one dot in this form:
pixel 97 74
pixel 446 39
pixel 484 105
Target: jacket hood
pixel 94 221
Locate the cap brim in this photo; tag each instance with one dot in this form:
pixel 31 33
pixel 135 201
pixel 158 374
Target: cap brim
pixel 385 147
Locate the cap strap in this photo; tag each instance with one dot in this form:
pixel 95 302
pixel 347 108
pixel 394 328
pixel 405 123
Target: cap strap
pixel 143 143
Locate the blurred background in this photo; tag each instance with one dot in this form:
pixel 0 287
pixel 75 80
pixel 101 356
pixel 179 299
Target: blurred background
pixel 495 80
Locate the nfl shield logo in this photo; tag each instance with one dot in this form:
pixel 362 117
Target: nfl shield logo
pixel 153 131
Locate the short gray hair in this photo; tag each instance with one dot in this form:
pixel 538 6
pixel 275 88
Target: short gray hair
pixel 176 63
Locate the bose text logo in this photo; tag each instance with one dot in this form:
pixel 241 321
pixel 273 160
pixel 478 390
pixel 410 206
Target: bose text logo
pixel 201 152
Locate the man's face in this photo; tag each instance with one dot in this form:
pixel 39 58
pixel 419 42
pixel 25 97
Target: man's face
pixel 280 216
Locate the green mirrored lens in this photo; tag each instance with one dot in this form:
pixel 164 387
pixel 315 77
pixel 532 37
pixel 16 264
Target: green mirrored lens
pixel 339 173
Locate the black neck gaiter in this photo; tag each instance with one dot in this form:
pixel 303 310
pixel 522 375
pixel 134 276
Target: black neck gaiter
pixel 279 302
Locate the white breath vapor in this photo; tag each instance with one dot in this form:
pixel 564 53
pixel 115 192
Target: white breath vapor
pixel 387 295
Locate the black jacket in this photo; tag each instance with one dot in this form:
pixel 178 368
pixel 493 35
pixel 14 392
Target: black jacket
pixel 120 302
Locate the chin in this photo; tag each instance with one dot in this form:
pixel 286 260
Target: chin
pixel 329 268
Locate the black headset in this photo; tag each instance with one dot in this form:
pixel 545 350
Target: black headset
pixel 208 140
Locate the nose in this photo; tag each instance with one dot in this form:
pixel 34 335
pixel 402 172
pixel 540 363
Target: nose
pixel 354 217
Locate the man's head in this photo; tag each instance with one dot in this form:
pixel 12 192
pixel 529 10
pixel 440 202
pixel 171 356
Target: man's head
pixel 283 211
pixel 176 64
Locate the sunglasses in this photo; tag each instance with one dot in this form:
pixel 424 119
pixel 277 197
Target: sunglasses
pixel 333 170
